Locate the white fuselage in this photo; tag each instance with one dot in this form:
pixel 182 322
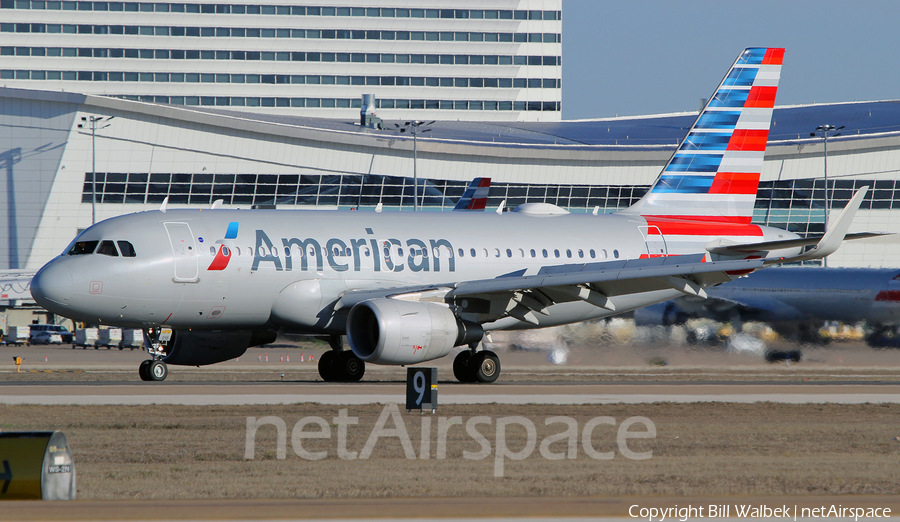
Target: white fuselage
pixel 286 269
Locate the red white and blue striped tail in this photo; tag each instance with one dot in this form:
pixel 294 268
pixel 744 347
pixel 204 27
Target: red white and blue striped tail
pixel 709 185
pixel 475 196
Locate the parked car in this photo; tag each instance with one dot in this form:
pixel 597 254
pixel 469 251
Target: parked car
pixel 46 337
pixel 51 328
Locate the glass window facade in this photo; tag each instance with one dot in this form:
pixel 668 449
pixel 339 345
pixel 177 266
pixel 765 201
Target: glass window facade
pixel 795 205
pixel 283 10
pixel 392 50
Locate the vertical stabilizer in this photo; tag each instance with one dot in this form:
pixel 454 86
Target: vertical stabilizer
pixel 475 196
pixel 713 176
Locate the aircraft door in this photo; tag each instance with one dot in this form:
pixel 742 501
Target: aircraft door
pixel 654 242
pixel 184 250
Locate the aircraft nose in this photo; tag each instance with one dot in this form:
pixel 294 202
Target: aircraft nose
pixel 51 287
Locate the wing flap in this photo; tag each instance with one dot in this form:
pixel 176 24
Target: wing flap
pixel 595 283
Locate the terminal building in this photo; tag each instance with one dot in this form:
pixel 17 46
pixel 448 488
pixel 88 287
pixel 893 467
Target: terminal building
pixel 112 107
pixel 58 172
pixel 489 60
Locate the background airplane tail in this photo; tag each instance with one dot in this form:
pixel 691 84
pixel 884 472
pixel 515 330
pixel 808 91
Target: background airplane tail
pixel 475 196
pixel 714 173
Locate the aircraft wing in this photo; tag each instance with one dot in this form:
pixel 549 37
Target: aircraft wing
pixel 595 283
pixel 765 308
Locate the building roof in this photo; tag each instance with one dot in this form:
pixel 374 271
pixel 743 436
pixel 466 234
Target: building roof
pixel 860 119
pixel 652 132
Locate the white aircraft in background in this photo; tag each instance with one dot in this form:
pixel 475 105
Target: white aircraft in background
pixel 407 288
pixel 796 302
pixel 15 285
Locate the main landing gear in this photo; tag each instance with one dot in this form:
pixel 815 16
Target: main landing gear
pixel 153 369
pixel 472 366
pixel 339 365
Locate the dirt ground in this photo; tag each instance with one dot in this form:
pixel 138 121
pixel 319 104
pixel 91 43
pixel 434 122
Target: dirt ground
pixel 182 452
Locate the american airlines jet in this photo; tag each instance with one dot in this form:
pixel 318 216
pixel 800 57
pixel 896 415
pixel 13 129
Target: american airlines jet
pixel 407 288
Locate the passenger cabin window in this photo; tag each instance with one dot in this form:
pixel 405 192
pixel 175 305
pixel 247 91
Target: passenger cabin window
pixel 81 248
pixel 127 249
pixel 108 248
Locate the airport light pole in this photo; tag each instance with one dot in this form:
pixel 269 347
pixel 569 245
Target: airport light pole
pixel 824 132
pixel 413 128
pixel 94 123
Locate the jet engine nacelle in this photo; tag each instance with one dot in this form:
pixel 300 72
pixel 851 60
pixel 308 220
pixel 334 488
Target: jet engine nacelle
pixel 393 331
pixel 199 348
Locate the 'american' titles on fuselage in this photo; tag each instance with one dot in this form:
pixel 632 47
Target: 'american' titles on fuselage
pixel 385 254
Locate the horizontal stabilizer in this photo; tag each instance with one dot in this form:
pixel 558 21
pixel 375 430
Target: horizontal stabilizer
pixel 824 246
pixel 768 246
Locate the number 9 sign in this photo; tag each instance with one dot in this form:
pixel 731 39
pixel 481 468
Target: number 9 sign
pixel 421 389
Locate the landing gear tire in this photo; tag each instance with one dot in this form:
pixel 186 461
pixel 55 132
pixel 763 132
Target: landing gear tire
pixel 142 370
pixel 341 366
pixel 157 370
pixel 462 367
pixel 328 365
pixel 351 367
pixel 485 366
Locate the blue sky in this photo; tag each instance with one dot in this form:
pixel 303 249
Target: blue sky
pixel 631 57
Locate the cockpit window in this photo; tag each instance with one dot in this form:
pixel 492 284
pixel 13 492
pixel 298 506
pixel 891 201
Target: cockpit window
pixel 108 248
pixel 81 248
pixel 126 248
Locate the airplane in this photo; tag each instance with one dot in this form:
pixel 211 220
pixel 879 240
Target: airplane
pixel 795 302
pixel 206 284
pixel 475 196
pixel 15 285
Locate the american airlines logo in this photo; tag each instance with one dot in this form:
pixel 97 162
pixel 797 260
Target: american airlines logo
pixel 223 253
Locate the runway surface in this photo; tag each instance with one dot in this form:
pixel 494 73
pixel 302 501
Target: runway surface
pixel 250 393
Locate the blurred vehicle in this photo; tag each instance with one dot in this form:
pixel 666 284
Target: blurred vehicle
pixel 551 341
pixel 85 337
pixel 46 337
pixel 132 338
pixel 37 331
pixel 109 337
pixel 17 335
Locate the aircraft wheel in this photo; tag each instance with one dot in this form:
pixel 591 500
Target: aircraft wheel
pixel 486 366
pixel 158 371
pixel 142 370
pixel 462 367
pixel 351 368
pixel 328 364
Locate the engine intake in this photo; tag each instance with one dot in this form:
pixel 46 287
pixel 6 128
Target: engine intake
pixel 393 331
pixel 199 348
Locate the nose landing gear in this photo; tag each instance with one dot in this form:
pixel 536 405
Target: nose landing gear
pixel 154 369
